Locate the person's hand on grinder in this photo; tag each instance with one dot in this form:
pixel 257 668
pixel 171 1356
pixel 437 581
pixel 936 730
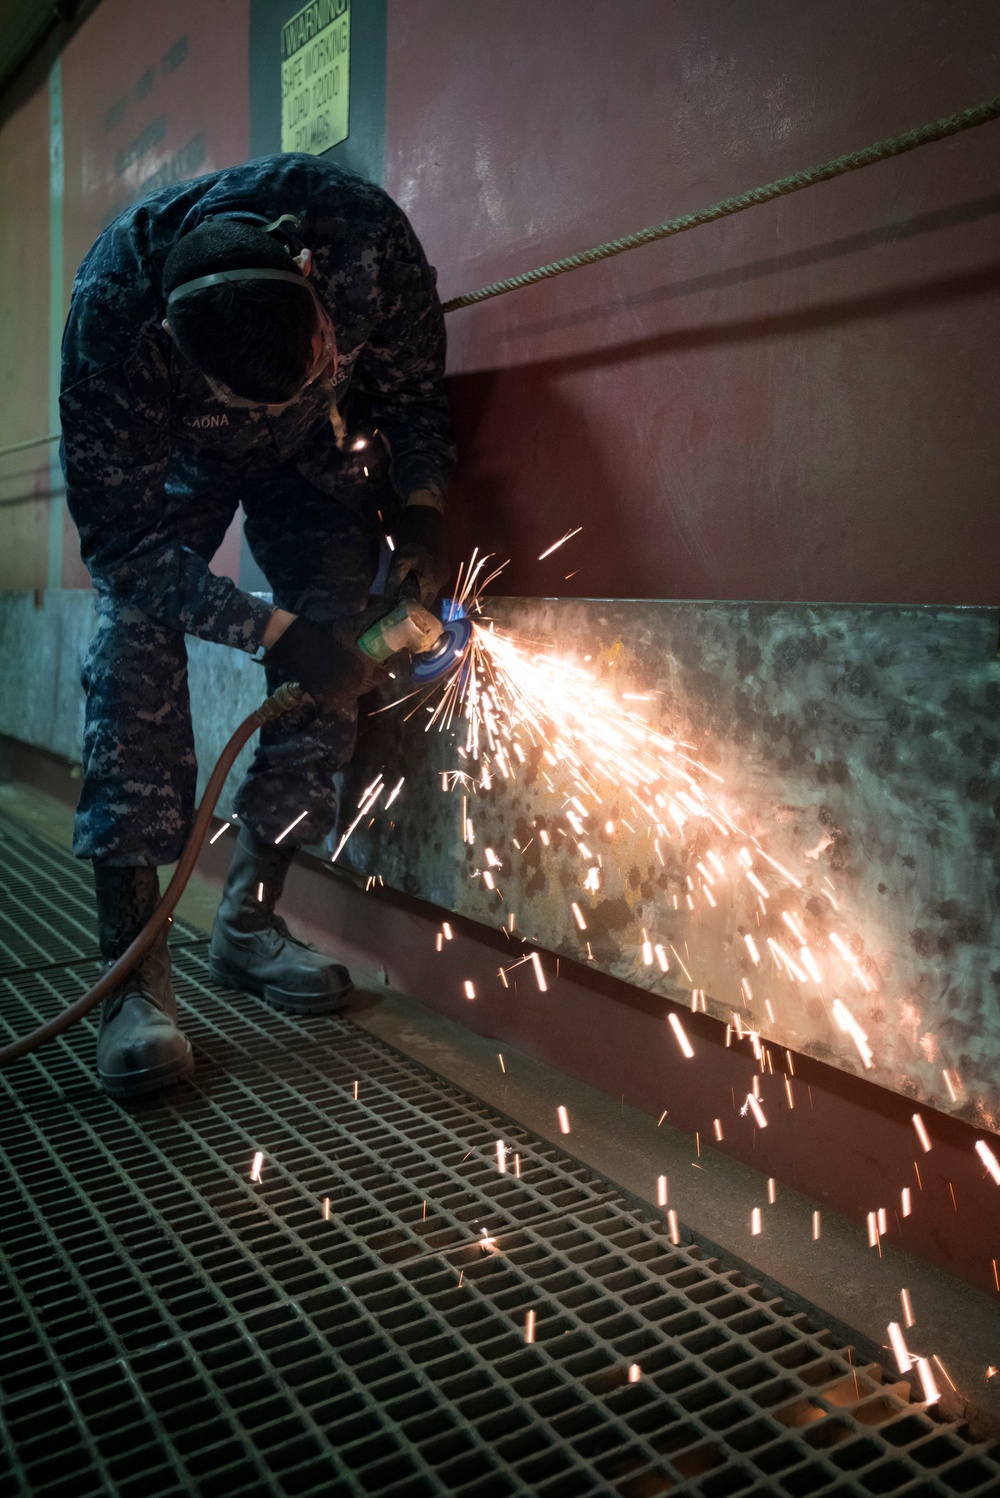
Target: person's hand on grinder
pixel 323 655
pixel 418 537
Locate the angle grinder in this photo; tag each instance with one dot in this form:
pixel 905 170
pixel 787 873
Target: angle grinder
pixel 437 645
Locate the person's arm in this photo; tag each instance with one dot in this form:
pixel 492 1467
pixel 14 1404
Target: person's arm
pixel 401 369
pixel 115 449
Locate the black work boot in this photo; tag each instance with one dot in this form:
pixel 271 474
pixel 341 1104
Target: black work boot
pixel 139 1047
pixel 253 950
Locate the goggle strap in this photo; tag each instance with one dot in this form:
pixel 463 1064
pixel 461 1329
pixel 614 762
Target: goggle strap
pixel 219 277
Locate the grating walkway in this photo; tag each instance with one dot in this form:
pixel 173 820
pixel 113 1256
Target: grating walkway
pixel 168 1326
pixel 47 904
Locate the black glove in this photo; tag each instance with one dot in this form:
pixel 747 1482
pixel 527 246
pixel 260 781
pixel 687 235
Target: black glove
pixel 420 551
pixel 323 656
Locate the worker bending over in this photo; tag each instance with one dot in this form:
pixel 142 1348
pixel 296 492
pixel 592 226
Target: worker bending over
pixel 239 340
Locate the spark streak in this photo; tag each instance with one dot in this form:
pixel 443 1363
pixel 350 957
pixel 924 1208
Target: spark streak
pixel 757 1111
pixel 301 817
pixel 258 1161
pixel 561 542
pixel 682 1039
pixel 903 1355
pixel 930 1388
pixel 989 1159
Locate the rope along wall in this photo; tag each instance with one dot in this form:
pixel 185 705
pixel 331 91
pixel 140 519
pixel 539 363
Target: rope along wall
pixel 881 151
pixel 868 156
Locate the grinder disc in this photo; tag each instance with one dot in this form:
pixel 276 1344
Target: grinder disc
pixel 444 654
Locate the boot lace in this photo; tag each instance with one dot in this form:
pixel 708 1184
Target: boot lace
pixel 135 983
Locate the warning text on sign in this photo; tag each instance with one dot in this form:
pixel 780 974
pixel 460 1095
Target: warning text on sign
pixel 315 76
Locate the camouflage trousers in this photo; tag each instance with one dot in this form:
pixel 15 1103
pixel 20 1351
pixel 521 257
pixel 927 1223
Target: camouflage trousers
pixel 316 536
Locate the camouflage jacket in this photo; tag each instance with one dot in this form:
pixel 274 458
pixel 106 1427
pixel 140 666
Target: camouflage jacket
pixel 128 396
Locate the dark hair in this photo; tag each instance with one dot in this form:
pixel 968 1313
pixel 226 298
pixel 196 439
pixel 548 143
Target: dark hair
pixel 256 337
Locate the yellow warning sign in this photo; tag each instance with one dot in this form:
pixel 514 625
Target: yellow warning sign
pixel 316 76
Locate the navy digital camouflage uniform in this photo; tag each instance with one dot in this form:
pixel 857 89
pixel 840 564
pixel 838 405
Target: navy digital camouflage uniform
pixel 156 467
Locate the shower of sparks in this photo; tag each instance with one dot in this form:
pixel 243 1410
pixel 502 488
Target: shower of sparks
pixel 512 702
pixel 989 1159
pixel 529 1327
pixel 258 1161
pixel 216 835
pixel 300 818
pixel 561 542
pixel 907 1304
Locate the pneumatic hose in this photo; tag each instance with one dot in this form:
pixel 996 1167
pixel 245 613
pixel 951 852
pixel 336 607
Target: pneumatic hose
pixel 288 696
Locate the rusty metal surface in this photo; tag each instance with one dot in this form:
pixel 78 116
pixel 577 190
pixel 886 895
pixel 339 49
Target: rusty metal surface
pixel 865 736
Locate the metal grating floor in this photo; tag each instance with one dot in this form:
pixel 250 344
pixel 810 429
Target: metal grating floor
pixel 47 904
pixel 169 1327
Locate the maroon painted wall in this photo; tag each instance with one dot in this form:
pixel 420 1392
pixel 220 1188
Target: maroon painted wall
pixel 796 403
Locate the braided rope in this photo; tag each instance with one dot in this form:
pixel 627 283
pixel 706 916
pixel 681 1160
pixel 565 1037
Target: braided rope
pixel 868 156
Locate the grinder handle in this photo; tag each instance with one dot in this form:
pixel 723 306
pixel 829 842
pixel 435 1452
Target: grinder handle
pixel 409 588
